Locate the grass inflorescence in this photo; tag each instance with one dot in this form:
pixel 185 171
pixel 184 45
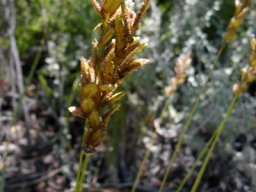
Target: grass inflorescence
pixel 112 59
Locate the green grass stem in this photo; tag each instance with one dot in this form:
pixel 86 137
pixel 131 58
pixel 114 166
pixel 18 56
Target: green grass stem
pixel 147 152
pixel 190 117
pixel 141 168
pixel 200 156
pixel 83 163
pixel 210 151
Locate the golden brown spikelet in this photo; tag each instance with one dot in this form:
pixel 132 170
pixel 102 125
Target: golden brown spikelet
pixel 77 112
pixel 112 59
pixel 126 53
pixel 93 139
pixel 96 6
pixel 94 119
pixel 248 73
pixel 105 37
pixel 130 56
pixel 109 7
pixel 107 87
pixel 106 117
pixel 139 16
pixel 109 72
pixel 241 9
pixel 94 59
pixel 181 65
pixel 253 51
pixel 130 48
pixel 108 67
pixel 114 98
pixel 126 15
pixel 85 72
pixel 87 105
pixel 132 66
pixel 120 36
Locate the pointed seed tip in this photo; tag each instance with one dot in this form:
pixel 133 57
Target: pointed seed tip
pixel 72 109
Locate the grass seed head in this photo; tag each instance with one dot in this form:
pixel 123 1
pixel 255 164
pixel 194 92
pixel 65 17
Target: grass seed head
pixel 112 59
pixel 248 73
pixel 182 63
pixel 241 9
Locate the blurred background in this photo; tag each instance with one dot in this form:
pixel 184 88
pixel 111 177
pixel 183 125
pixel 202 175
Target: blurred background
pixel 41 42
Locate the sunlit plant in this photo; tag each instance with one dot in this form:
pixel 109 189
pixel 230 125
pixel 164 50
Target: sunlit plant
pixel 112 59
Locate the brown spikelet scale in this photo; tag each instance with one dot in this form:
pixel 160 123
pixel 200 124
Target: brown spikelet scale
pixel 128 32
pixel 248 73
pixel 109 7
pixel 85 72
pixel 132 47
pixel 130 57
pixel 182 63
pixel 140 14
pixel 107 116
pixel 96 6
pixel 106 37
pixel 112 59
pixel 241 9
pixel 120 37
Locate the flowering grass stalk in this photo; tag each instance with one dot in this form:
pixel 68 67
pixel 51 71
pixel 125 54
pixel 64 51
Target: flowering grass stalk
pixel 242 7
pixel 182 62
pixel 248 75
pixel 181 65
pixel 200 156
pixel 112 59
pixel 189 120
